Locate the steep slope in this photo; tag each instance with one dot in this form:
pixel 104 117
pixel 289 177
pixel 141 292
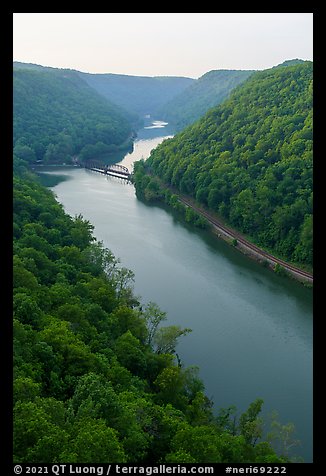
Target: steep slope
pixel 57 115
pixel 138 94
pixel 206 92
pixel 95 376
pixel 250 160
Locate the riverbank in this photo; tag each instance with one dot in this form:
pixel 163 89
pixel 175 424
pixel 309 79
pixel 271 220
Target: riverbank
pixel 248 248
pixel 218 228
pixel 238 309
pixel 151 188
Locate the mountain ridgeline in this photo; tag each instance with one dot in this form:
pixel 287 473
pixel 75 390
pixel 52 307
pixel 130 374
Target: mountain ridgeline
pixel 96 376
pixel 250 160
pixel 96 379
pixel 61 113
pixel 179 100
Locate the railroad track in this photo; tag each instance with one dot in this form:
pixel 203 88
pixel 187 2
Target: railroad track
pixel 248 244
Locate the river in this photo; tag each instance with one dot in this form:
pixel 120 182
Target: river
pixel 251 329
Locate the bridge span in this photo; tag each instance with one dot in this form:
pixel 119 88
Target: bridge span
pixel 115 170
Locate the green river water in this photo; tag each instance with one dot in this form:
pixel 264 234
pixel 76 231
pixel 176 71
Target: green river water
pixel 251 329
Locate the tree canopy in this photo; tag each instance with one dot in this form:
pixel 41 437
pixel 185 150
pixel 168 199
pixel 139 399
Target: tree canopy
pixel 58 116
pixel 250 160
pixel 204 93
pixel 96 377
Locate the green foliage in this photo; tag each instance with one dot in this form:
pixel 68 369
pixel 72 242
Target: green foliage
pixel 198 443
pixel 95 442
pixel 95 374
pixel 249 160
pixel 130 353
pixel 153 317
pixel 58 116
pixel 204 93
pixel 278 269
pixel 250 424
pixel 36 437
pixel 165 339
pixel 282 436
pixel 151 189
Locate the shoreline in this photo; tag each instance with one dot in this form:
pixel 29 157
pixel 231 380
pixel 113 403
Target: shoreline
pixel 246 247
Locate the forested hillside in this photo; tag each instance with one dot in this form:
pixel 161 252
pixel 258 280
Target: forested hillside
pixel 95 374
pixel 57 116
pixel 250 160
pixel 178 100
pixel 206 92
pixel 138 94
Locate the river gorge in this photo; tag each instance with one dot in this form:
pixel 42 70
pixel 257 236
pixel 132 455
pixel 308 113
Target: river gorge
pixel 251 329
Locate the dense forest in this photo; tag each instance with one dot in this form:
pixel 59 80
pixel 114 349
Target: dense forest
pixel 250 160
pixel 58 116
pixel 179 100
pixel 96 378
pixel 96 375
pixel 207 91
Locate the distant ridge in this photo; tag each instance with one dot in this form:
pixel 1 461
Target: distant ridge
pixel 139 95
pixel 291 62
pixel 208 91
pixel 58 116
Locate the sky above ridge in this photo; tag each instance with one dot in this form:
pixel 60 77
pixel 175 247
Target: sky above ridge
pixel 161 44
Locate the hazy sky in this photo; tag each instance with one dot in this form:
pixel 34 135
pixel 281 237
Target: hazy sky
pixel 161 44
